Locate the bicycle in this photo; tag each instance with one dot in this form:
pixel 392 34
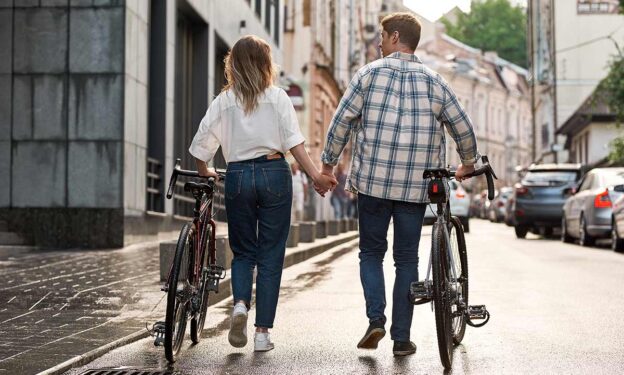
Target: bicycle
pixel 448 262
pixel 194 272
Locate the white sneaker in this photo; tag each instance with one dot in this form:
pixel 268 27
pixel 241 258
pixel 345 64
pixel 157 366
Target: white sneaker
pixel 262 342
pixel 238 326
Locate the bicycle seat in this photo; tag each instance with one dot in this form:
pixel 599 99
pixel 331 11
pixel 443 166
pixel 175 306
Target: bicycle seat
pixel 436 172
pixel 190 186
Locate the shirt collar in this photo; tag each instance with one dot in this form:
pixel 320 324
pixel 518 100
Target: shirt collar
pixel 404 56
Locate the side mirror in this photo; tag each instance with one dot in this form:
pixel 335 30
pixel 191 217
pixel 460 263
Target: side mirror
pixel 619 188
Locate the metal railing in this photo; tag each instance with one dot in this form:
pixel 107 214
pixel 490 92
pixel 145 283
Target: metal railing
pixel 154 186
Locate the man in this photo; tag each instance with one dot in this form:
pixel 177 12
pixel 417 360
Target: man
pixel 340 198
pixel 395 108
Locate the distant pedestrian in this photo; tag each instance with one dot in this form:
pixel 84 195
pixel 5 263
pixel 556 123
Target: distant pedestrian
pixel 300 191
pixel 340 198
pixel 255 124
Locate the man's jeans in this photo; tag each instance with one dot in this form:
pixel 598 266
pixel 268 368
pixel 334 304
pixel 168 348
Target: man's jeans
pixel 258 199
pixel 375 214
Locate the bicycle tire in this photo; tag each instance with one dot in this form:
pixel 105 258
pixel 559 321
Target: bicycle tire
pixel 177 312
pixel 197 324
pixel 440 296
pixel 460 252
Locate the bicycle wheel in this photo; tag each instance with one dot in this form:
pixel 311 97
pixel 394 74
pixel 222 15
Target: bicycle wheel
pixel 179 294
pixel 198 321
pixel 460 286
pixel 441 293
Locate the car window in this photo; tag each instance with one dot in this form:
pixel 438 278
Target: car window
pixel 586 182
pixel 550 177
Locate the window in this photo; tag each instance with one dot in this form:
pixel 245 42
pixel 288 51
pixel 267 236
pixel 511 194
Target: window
pixel 276 19
pixel 267 15
pixel 597 7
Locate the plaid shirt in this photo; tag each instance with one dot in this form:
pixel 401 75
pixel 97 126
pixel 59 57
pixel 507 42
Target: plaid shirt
pixel 395 108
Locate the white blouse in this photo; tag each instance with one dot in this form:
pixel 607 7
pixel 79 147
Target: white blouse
pixel 272 127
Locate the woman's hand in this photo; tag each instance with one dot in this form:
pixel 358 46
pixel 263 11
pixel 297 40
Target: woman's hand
pixel 204 171
pixel 324 183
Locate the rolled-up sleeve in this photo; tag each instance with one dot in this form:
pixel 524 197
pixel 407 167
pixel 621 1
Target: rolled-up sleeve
pixel 205 143
pixel 290 133
pixel 459 126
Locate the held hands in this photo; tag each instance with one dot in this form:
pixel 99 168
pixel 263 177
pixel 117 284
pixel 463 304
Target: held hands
pixel 324 183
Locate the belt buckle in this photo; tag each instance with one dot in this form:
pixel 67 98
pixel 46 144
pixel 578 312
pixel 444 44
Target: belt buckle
pixel 274 156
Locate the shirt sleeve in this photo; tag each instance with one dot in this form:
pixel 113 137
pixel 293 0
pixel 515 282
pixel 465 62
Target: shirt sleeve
pixel 347 114
pixel 290 133
pixel 205 143
pixel 459 125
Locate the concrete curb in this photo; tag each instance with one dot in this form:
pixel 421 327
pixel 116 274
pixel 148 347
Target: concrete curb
pixel 293 256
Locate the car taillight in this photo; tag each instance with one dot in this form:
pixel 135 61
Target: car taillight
pixel 521 190
pixel 602 200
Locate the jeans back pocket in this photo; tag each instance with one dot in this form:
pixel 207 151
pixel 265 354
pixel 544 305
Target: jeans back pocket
pixel 278 181
pixel 233 184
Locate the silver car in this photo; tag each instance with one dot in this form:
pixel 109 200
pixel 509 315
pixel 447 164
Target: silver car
pixel 460 206
pixel 587 213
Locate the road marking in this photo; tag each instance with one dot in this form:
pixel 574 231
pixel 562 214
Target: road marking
pixel 38 302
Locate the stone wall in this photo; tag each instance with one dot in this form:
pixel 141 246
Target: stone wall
pixel 61 120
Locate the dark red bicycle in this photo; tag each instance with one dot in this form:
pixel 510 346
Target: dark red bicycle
pixel 194 272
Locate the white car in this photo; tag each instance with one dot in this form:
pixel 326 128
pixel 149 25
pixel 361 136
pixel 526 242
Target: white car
pixel 460 206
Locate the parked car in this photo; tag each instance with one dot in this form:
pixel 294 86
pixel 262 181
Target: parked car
pixel 485 206
pixel 475 205
pixel 496 213
pixel 588 214
pixel 617 226
pixel 509 207
pixel 460 206
pixel 539 197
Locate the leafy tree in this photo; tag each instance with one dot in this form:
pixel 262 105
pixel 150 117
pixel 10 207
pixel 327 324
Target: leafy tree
pixel 493 25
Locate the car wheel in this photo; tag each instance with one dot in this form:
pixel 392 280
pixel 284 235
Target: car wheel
pixel 565 236
pixel 521 231
pixel 547 231
pixel 584 238
pixel 617 244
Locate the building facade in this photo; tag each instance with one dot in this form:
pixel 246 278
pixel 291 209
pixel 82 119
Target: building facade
pixel 570 45
pixel 98 99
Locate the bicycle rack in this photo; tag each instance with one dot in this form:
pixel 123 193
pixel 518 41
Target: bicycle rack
pixel 477 312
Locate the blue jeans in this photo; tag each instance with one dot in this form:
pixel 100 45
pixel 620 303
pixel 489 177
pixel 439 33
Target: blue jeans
pixel 374 219
pixel 258 199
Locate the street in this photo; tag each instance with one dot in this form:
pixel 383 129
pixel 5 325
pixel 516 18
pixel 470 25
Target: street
pixel 555 309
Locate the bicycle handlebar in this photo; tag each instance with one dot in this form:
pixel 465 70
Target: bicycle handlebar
pixel 486 169
pixel 177 171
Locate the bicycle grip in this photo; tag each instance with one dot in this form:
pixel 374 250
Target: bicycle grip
pixel 173 180
pixel 490 185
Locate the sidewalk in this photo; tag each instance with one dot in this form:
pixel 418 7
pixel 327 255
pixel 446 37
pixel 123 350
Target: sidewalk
pixel 64 308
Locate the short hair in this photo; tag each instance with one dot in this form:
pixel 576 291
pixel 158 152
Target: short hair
pixel 406 24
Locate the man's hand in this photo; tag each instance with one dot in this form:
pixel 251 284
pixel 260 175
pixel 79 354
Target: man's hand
pixel 324 183
pixel 462 171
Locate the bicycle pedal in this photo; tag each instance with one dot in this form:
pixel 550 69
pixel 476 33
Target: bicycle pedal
pixel 477 312
pixel 213 284
pixel 158 332
pixel 421 291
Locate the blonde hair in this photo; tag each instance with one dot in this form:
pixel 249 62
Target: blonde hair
pixel 249 70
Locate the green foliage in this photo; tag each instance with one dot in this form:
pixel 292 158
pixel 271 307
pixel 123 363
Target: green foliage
pixel 616 151
pixel 493 25
pixel 622 6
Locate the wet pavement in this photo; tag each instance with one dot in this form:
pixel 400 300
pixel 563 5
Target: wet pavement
pixel 56 305
pixel 556 308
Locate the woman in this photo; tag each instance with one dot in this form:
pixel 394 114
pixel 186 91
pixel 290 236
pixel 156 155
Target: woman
pixel 255 124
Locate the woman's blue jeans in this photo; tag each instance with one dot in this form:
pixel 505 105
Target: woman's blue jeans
pixel 258 200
